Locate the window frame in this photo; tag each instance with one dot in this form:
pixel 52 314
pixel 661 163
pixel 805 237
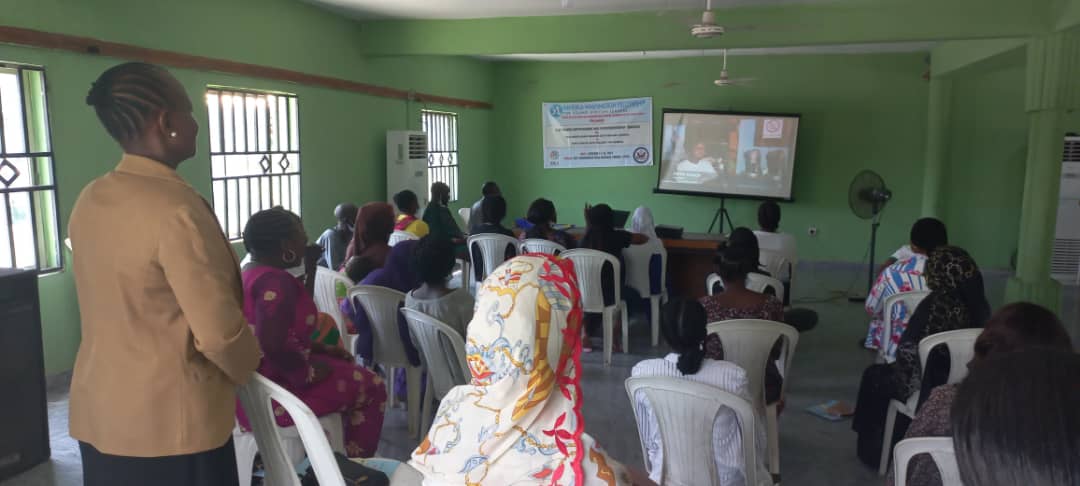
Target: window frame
pixel 226 188
pixel 38 220
pixel 450 137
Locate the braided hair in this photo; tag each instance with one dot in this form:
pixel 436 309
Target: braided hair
pixel 684 330
pixel 126 96
pixel 267 229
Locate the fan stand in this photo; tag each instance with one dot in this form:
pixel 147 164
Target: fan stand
pixel 876 221
pixel 721 215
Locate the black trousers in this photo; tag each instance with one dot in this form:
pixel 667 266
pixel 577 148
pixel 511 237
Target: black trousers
pixel 216 467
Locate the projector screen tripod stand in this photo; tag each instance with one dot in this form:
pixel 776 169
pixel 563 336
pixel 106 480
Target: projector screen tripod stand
pixel 721 215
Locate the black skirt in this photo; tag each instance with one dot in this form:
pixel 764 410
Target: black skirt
pixel 215 467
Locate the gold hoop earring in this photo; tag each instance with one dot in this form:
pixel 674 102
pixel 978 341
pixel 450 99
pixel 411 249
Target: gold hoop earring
pixel 288 256
pixel 172 134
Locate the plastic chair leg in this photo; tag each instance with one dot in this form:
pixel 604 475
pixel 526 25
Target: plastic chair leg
pixel 625 328
pixel 886 438
pixel 654 317
pixel 244 444
pixel 426 410
pixel 389 379
pixel 772 430
pixel 334 426
pixel 609 334
pixel 412 381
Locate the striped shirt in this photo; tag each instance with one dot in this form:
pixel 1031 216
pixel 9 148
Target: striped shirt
pixel 727 441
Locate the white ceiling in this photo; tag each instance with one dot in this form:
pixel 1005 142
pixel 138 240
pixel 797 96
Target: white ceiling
pixel 896 47
pixel 470 9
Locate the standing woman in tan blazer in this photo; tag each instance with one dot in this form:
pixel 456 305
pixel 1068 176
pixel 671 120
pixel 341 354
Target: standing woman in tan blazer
pixel 164 340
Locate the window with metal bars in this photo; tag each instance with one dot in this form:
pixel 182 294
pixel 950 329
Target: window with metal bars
pixel 29 237
pixel 441 129
pixel 254 154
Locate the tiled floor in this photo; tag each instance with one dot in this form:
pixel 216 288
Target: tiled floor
pixel 814 452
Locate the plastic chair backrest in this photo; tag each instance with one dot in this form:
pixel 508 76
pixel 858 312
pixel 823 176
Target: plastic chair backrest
pixel 939 448
pixel 652 281
pixel 680 407
pixel 256 398
pixel 961 344
pixel 761 283
pixel 326 300
pixel 381 305
pixel 909 299
pixel 776 264
pixel 492 247
pixel 398 236
pixel 748 342
pixel 714 284
pixel 537 245
pixel 589 265
pixel 443 350
pixel 465 213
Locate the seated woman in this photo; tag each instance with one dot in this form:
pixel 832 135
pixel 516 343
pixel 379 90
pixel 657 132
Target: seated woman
pixel 522 410
pixel 284 316
pixel 371 235
pixel 1015 420
pixel 601 234
pixel 434 262
pixel 684 330
pixel 492 213
pixel 399 274
pixel 437 214
pixel 956 301
pixel 639 258
pixel 408 204
pixel 542 216
pixel 1015 327
pixel 735 259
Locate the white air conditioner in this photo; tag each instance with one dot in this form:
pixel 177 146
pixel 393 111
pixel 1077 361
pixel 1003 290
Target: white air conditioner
pixel 406 164
pixel 1065 259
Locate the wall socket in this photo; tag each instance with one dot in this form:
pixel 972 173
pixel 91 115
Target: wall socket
pixel 812 231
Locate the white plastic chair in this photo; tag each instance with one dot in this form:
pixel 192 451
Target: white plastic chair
pixel 910 300
pixel 588 265
pixel 711 282
pixel 643 282
pixel 538 245
pixel 760 283
pixel 465 213
pixel 398 236
pixel 748 343
pixel 492 248
pixel 939 448
pixel 443 352
pixel 326 300
pixel 381 305
pixel 961 346
pixel 271 443
pixel 681 407
pixel 777 265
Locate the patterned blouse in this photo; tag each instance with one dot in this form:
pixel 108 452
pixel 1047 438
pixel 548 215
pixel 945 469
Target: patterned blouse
pixel 931 421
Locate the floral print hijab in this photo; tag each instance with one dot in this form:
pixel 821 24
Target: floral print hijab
pixel 519 421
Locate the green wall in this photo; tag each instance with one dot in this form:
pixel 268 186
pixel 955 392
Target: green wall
pixel 342 134
pixel 858 112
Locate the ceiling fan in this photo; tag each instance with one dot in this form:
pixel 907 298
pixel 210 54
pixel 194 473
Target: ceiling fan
pixel 708 28
pixel 725 80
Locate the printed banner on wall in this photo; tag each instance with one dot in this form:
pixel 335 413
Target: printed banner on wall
pixel 611 133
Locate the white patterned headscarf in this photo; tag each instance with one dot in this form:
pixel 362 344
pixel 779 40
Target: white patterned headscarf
pixel 642 222
pixel 519 421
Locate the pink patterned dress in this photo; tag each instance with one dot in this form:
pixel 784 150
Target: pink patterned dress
pixel 284 317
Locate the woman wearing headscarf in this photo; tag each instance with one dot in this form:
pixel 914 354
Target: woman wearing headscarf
pixel 957 301
pixel 398 274
pixel 519 421
pixel 639 258
pixel 371 234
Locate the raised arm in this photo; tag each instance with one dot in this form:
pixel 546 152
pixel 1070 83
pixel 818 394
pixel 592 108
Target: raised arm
pixel 202 271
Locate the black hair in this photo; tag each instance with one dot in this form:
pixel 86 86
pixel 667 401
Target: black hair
pixel 405 200
pixel 1015 420
pixel 433 259
pixel 126 96
pixel 929 234
pixel 490 188
pixel 738 255
pixel 601 217
pixel 267 229
pixel 541 211
pixel 492 209
pixel 439 187
pixel 1018 326
pixel 684 330
pixel 768 215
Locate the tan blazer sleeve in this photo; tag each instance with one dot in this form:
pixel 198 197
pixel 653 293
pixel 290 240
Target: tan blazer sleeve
pixel 203 274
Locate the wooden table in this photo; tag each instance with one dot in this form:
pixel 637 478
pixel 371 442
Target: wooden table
pixel 690 261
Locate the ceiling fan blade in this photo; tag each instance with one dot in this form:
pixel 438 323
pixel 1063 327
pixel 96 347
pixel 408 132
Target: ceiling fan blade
pixel 764 28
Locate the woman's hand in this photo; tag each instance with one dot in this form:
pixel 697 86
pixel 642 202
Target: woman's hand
pixel 322 371
pixel 340 353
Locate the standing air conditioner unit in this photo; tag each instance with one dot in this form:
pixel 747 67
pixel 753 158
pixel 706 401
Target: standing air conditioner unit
pixel 406 164
pixel 1065 260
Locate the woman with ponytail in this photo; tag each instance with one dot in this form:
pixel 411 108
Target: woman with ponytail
pixel 683 327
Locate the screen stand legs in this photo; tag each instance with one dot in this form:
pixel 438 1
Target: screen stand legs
pixel 722 216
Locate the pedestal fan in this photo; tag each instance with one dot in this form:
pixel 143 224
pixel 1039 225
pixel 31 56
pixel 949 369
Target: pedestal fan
pixel 867 196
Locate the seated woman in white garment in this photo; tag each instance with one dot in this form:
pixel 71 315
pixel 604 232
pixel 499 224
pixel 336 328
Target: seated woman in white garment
pixel 434 262
pixel 639 258
pixel 683 327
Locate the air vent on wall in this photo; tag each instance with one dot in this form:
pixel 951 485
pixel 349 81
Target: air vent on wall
pixel 418 146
